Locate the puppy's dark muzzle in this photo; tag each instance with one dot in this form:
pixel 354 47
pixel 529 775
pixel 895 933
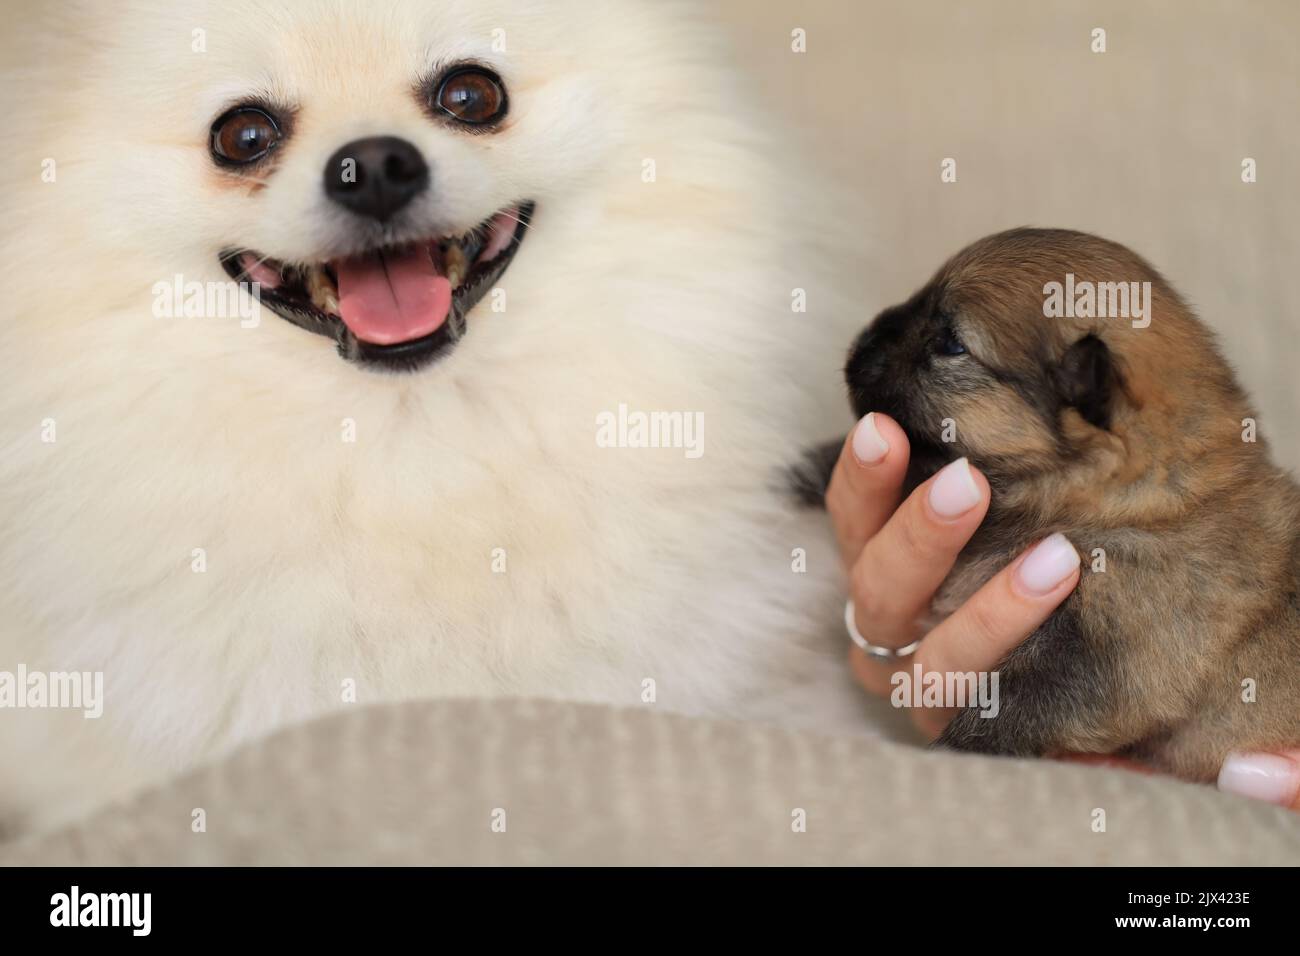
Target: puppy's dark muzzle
pixel 882 377
pixel 874 381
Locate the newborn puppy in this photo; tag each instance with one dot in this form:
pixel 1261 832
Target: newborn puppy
pixel 1128 433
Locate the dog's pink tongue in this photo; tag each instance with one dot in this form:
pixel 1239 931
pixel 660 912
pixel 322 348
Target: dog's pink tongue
pixel 394 298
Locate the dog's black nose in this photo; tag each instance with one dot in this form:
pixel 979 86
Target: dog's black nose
pixel 376 177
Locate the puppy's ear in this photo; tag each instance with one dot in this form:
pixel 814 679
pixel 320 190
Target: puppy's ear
pixel 1086 380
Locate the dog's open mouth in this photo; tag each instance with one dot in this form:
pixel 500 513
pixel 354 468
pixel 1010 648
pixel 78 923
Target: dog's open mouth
pixel 396 307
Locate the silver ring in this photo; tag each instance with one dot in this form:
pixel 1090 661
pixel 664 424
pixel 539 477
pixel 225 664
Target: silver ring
pixel 875 650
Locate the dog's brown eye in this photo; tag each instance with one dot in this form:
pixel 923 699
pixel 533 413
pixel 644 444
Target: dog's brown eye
pixel 244 135
pixel 473 96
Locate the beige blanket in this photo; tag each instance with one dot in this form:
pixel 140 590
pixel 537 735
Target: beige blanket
pixel 519 782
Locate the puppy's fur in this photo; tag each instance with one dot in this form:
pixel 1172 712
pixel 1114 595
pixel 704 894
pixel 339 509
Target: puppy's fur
pixel 1130 441
pixel 474 539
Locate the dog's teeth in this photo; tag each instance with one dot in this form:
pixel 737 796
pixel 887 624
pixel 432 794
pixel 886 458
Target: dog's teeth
pixel 321 288
pixel 454 262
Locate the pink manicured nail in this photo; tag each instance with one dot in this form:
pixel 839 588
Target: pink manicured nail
pixel 954 491
pixel 1050 562
pixel 1266 777
pixel 868 445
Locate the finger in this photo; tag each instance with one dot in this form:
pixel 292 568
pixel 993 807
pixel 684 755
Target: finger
pixel 866 484
pixel 1271 777
pixel 1007 609
pixel 871 674
pixel 902 566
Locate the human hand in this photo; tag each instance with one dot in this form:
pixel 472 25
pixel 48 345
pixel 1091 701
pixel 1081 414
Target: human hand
pixel 897 555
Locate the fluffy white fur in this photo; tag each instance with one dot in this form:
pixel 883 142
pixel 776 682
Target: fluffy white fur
pixel 372 561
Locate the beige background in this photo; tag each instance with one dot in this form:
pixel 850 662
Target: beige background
pixel 1142 144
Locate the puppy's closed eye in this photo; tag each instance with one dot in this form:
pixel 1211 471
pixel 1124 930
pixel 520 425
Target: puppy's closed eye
pixel 948 343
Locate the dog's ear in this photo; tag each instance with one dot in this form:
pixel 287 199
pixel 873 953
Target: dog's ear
pixel 1086 380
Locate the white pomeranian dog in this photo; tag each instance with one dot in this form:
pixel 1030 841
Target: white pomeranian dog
pixel 510 418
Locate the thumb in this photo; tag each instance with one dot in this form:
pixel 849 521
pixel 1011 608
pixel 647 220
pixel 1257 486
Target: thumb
pixel 1271 777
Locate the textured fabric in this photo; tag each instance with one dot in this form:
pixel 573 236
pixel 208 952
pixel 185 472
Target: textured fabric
pixel 424 782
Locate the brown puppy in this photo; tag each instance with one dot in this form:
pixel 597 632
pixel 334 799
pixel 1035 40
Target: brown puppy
pixel 1128 433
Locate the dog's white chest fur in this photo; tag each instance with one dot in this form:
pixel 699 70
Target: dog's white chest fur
pixel 232 560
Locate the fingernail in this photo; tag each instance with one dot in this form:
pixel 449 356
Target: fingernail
pixel 954 491
pixel 1050 562
pixel 1266 777
pixel 868 446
